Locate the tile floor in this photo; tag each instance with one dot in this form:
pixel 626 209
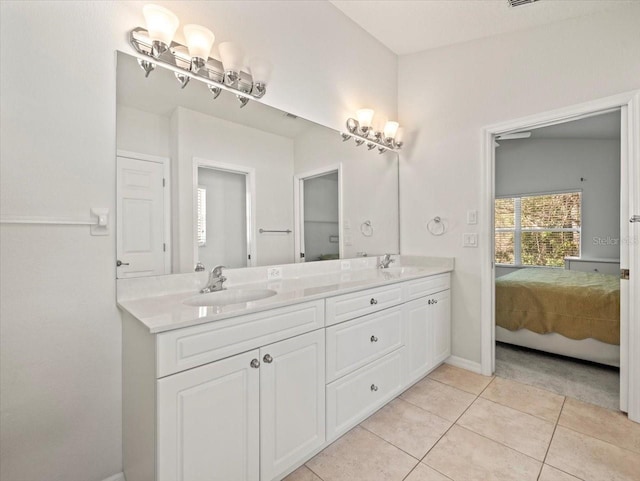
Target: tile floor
pixel 456 425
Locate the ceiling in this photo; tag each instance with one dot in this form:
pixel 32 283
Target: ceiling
pixel 410 26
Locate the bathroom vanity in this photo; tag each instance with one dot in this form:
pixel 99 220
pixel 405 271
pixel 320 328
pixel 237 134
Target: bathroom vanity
pixel 250 391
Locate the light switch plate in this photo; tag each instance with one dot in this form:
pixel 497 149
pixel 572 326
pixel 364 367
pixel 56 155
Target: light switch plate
pixel 472 217
pixel 274 273
pixel 348 240
pixel 470 240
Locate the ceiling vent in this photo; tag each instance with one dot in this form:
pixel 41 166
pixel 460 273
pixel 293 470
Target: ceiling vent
pixel 517 3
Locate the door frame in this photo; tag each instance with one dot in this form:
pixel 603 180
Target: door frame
pixel 250 174
pixel 629 104
pixel 298 208
pixel 166 175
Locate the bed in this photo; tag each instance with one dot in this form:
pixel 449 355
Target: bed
pixel 566 312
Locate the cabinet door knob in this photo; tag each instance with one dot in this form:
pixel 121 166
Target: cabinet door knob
pixel 429 301
pixel 374 339
pixel 267 358
pixel 435 301
pixel 374 387
pixel 373 302
pixel 255 363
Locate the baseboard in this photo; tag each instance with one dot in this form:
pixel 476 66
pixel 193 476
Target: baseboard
pixel 464 364
pixel 116 477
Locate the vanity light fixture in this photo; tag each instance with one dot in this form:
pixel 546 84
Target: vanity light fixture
pixel 156 46
pixel 389 138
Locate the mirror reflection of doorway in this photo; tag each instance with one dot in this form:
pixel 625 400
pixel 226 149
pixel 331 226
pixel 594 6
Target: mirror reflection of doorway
pixel 222 221
pixel 319 215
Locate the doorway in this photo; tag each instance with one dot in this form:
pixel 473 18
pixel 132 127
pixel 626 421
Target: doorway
pixel 629 106
pixel 318 212
pixel 223 215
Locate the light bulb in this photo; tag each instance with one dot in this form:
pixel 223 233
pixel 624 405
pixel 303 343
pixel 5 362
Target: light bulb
pixel 390 129
pixel 199 41
pixel 365 117
pixel 260 70
pixel 162 25
pixel 232 56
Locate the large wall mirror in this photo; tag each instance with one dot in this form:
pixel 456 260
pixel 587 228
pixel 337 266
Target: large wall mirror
pixel 203 182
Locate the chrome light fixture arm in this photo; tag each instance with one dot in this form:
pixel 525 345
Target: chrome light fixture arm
pixel 369 136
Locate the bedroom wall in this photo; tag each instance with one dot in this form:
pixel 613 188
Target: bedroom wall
pixel 446 97
pixel 529 166
pixel 60 329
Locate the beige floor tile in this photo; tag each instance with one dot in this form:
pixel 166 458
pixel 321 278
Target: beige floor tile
pixel 302 474
pixel 439 399
pixel 362 456
pixel 525 398
pixel 549 473
pixel 422 472
pixel 591 459
pixel 611 426
pixel 523 432
pixel 463 455
pixel 407 427
pixel 461 378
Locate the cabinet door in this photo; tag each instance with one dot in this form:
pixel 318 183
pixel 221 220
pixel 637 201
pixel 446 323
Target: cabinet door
pixel 419 348
pixel 292 402
pixel 428 331
pixel 208 423
pixel 441 321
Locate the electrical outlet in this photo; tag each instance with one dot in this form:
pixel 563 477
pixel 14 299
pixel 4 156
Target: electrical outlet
pixel 274 273
pixel 472 217
pixel 345 265
pixel 348 240
pixel 347 224
pixel 470 240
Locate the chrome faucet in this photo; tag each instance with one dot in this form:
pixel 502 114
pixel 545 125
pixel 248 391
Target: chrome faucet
pixel 216 280
pixel 386 260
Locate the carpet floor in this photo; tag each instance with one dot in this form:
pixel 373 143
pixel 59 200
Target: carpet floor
pixel 588 382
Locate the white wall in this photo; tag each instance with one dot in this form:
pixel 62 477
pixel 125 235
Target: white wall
pixel 447 95
pixel 217 140
pixel 142 132
pixel 369 188
pixel 531 166
pixel 60 333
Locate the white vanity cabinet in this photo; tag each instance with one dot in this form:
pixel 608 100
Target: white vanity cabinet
pixel 252 397
pixel 244 418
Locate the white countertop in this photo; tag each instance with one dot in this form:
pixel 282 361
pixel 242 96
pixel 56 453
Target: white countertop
pixel 166 312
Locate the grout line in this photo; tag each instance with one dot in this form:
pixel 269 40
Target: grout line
pixel 388 442
pixel 551 439
pixel 598 439
pixel 565 472
pixel 305 465
pixel 535 387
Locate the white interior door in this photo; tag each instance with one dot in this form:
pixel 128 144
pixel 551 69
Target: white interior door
pixel 141 218
pixel 624 262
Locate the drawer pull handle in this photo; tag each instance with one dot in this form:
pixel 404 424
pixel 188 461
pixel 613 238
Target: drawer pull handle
pixel 255 363
pixel 374 387
pixel 373 302
pixel 267 358
pixel 374 339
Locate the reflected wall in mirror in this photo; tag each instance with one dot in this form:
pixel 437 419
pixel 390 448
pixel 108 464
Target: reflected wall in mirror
pixel 201 181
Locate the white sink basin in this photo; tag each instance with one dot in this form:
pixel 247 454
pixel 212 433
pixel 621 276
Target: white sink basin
pixel 399 271
pixel 229 296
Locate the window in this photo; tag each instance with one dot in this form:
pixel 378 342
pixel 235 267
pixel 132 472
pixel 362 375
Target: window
pixel 538 230
pixel 202 217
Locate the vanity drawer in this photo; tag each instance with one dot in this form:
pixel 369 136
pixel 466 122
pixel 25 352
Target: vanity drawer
pixel 194 346
pixel 359 394
pixel 348 306
pixel 351 345
pixel 426 286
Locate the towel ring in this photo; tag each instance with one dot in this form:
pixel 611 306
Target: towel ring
pixel 436 226
pixel 366 228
